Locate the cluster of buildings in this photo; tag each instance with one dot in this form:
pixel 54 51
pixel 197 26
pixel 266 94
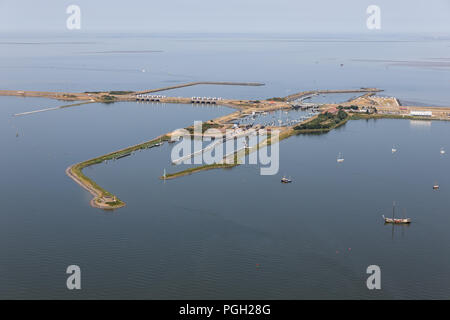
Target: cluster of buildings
pixel 403 110
pixel 412 113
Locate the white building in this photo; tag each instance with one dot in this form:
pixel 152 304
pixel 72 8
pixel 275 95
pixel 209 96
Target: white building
pixel 421 113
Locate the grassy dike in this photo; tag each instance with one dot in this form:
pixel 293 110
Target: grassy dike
pixel 360 116
pixel 198 169
pixel 75 104
pixel 103 199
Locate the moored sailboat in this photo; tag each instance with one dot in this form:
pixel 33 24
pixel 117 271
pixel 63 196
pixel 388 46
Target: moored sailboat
pixel 396 220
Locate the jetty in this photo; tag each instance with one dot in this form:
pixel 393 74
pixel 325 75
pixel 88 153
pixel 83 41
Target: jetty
pixel 189 84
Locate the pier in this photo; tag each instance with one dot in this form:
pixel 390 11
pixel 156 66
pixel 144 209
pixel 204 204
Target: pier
pixel 189 84
pixel 50 109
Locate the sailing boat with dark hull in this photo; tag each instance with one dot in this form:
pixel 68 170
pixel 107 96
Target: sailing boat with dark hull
pixel 396 220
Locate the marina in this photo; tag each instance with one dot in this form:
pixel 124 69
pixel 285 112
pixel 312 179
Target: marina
pixel 276 118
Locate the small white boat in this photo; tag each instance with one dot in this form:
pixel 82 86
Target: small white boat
pixel 285 180
pixel 340 158
pixel 394 149
pixel 442 151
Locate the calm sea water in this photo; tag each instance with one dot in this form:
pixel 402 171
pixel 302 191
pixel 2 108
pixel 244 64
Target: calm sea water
pixel 412 68
pixel 224 233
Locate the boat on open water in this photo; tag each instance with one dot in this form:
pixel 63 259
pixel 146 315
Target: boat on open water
pixel 396 220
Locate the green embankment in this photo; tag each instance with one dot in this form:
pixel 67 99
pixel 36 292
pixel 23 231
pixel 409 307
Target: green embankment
pixel 205 126
pixel 277 99
pixel 70 96
pixel 198 169
pixel 74 104
pixel 107 99
pixel 121 92
pixel 77 169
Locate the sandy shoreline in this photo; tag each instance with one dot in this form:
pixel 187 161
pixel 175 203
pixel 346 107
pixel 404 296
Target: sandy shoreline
pixel 91 190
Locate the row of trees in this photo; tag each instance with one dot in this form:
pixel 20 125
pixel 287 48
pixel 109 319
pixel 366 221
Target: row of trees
pixel 324 121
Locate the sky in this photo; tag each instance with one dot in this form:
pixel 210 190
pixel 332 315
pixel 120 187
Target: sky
pixel 227 16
